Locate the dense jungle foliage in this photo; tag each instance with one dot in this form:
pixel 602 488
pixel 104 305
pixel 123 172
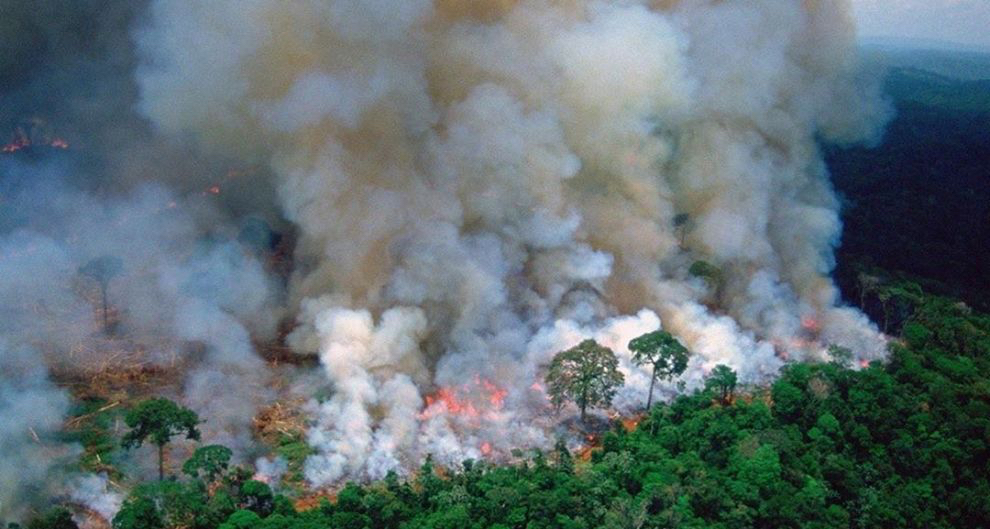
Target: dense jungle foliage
pixel 919 204
pixel 901 444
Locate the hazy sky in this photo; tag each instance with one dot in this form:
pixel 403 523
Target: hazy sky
pixel 959 21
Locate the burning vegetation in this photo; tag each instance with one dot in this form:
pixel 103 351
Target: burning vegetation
pixel 473 401
pixel 423 256
pixel 34 134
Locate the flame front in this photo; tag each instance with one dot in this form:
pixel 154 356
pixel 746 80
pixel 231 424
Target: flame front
pixel 478 400
pixel 35 136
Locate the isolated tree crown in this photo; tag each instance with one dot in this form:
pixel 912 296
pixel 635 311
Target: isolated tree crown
pixel 587 374
pixel 157 421
pixel 102 269
pixel 661 350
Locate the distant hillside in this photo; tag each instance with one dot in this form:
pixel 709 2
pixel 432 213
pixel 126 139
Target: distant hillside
pixel 914 85
pixel 920 202
pixel 962 64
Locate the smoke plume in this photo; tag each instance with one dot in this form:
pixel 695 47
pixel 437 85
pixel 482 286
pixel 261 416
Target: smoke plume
pixel 85 180
pixel 470 187
pixel 182 303
pixel 478 186
pixel 32 409
pixel 94 492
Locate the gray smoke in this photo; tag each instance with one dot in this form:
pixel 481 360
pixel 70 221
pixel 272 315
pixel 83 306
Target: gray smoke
pixel 32 409
pixel 95 493
pixel 191 295
pixel 184 300
pixel 477 187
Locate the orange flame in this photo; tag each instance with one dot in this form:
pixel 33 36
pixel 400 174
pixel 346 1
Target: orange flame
pixel 474 400
pixel 451 402
pixel 809 323
pixel 15 146
pixel 496 395
pixel 22 140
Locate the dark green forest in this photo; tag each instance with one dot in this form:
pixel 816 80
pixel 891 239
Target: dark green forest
pixel 919 205
pixel 903 443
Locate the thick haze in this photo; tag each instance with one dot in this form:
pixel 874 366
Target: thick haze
pixel 961 22
pixel 478 186
pixel 472 187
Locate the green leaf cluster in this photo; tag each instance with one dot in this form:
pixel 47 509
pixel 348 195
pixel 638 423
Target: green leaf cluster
pixel 587 374
pixel 661 351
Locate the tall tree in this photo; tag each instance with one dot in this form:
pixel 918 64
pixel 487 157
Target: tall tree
pixel 103 270
pixel 680 225
pixel 157 421
pixel 724 379
pixel 867 284
pixel 588 374
pixel 662 351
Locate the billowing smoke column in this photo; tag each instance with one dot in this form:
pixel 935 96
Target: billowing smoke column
pixel 475 186
pixel 478 185
pixel 188 295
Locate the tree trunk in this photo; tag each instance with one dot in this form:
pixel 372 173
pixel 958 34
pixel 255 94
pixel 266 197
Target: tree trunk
pixel 106 309
pixel 649 399
pixel 161 462
pixel 584 404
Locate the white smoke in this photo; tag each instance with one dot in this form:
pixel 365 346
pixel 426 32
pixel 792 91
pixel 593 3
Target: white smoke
pixel 479 186
pixel 218 295
pixel 181 301
pixel 189 299
pixel 270 470
pixel 94 492
pixel 362 362
pixel 32 409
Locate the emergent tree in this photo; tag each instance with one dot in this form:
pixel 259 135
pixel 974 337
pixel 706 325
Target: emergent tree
pixel 659 349
pixel 102 270
pixel 157 421
pixel 587 374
